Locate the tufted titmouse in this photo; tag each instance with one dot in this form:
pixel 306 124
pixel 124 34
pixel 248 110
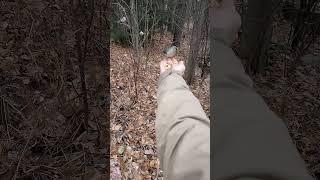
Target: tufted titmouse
pixel 170 52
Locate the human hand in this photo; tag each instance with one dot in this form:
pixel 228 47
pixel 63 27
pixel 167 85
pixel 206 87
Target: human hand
pixel 165 65
pixel 172 64
pixel 178 67
pixel 225 21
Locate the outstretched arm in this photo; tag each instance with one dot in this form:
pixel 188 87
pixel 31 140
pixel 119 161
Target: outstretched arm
pixel 249 140
pixel 183 131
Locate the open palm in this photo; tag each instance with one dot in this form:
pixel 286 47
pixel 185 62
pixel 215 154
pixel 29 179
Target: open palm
pixel 172 64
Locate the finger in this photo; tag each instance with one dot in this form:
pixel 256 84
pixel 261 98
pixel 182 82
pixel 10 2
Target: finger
pixel 166 59
pixel 163 63
pixel 166 65
pixel 174 61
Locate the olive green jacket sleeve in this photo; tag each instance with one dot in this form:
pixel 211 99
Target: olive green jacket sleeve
pixel 249 140
pixel 183 131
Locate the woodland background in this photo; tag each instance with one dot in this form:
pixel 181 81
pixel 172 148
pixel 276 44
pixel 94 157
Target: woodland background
pixel 55 91
pixel 278 44
pixel 54 81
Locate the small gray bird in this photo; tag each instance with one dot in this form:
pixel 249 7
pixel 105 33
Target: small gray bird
pixel 170 52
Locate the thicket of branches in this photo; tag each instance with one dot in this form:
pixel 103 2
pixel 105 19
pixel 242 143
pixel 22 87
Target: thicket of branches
pixel 134 23
pixel 53 87
pixel 257 30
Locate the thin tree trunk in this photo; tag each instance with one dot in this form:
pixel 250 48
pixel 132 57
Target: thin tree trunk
pixel 179 22
pixel 257 33
pixel 162 15
pixel 171 10
pixel 199 29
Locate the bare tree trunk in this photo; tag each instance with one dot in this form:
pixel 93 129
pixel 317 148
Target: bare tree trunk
pixel 257 33
pixel 82 40
pixel 199 30
pixel 162 16
pixel 172 4
pixel 136 45
pixel 179 22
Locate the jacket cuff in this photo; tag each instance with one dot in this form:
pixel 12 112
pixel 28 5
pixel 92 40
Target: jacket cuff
pixel 163 76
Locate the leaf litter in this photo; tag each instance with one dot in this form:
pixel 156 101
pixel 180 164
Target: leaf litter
pixel 133 124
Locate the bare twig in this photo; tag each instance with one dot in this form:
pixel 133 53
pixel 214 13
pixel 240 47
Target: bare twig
pixel 22 154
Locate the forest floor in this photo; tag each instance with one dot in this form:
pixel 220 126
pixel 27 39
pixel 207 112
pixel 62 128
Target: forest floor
pixel 52 124
pixel 133 149
pixel 133 140
pixel 300 110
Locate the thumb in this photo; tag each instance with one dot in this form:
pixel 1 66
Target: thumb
pixel 227 4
